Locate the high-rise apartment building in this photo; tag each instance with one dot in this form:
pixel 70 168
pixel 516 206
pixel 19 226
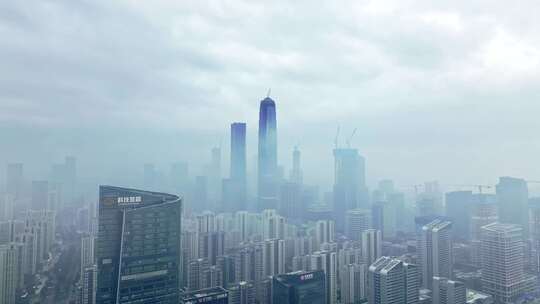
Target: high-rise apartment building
pixel 273 257
pixel 356 222
pixel 324 232
pixel 327 262
pixel 353 279
pixel 371 245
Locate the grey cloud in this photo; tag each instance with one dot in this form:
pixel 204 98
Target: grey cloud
pixel 410 76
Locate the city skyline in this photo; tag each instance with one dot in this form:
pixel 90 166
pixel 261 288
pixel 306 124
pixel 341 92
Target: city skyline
pixel 441 91
pixel 245 152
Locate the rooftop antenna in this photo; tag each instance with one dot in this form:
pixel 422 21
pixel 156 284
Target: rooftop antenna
pixel 268 93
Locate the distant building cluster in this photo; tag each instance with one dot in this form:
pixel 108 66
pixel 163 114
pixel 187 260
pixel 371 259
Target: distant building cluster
pixel 266 237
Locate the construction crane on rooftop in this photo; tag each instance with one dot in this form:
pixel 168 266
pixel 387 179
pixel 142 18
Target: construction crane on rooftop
pixel 350 138
pixel 336 138
pixel 478 186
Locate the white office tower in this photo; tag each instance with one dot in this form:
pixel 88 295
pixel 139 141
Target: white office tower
pixel 356 222
pixel 371 245
pixel 324 232
pixel 8 273
pixel 502 262
pixel 391 281
pixel 273 257
pixel 327 261
pixel 435 251
pixel 242 293
pixel 274 225
pixel 353 280
pixel 446 291
pixel 89 285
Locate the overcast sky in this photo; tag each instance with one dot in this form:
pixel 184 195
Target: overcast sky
pixel 437 91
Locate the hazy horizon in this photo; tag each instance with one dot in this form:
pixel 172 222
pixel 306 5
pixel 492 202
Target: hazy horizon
pixel 436 92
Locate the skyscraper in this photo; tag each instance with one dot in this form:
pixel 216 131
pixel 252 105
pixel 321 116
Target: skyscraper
pixel 296 171
pixel 502 262
pixel 213 172
pixel 267 162
pixel 290 203
pixel 238 172
pixel 393 281
pixel 138 247
pixel 300 287
pixel 512 199
pixel 435 251
pixel 238 151
pixel 349 184
pixel 40 195
pixel 459 208
pixel 14 180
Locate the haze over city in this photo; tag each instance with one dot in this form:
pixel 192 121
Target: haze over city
pixel 269 152
pixel 436 90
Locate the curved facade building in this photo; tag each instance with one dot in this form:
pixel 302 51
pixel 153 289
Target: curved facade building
pixel 138 246
pixel 267 161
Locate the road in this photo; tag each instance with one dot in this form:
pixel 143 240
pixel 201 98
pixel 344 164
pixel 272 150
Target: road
pixel 57 283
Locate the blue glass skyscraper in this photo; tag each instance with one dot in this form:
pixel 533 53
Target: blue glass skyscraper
pixel 234 189
pixel 267 162
pixel 138 246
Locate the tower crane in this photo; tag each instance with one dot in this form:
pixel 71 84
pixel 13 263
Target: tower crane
pixel 350 138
